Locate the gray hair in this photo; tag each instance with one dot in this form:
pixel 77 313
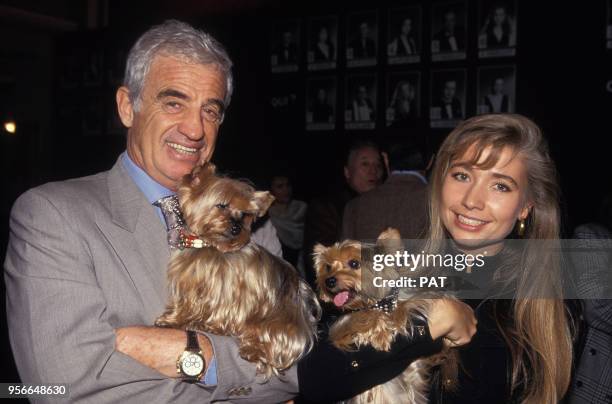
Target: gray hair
pixel 174 38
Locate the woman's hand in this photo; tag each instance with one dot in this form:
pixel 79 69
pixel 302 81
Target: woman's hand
pixel 453 320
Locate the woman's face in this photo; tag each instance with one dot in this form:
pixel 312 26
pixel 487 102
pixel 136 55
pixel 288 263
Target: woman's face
pixel 281 189
pixel 479 208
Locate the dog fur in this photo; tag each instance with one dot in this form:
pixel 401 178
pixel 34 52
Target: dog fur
pixel 361 325
pixel 233 286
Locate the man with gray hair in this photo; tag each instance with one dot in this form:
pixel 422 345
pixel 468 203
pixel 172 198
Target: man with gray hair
pixel 86 261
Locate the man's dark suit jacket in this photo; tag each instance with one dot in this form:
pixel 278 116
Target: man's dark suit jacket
pixel 362 52
pixel 443 38
pixel 455 107
pixel 401 202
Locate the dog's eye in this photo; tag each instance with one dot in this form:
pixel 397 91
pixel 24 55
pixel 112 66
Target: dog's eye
pixel 328 268
pixel 354 264
pixel 221 205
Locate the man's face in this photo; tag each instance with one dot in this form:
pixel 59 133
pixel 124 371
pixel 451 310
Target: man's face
pixel 499 16
pixel 498 86
pixel 449 21
pixel 321 95
pixel 364 170
pixel 450 88
pixel 362 93
pixel 364 29
pixel 406 26
pixel 287 39
pixel 169 134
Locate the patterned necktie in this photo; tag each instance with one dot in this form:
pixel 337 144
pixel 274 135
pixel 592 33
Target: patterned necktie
pixel 171 210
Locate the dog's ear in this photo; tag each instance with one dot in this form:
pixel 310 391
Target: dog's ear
pixel 199 173
pixel 260 202
pixel 317 255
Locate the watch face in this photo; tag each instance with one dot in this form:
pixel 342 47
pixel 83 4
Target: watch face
pixel 192 364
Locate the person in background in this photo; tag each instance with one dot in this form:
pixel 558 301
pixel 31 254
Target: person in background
pixel 287 216
pixel 401 202
pixel 592 380
pixel 363 171
pixel 404 44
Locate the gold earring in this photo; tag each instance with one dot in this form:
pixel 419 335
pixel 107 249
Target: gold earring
pixel 521 229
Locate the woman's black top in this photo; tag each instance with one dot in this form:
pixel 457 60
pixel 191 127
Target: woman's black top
pixel 485 363
pixel 328 374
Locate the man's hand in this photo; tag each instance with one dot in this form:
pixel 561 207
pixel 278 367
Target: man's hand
pixel 158 348
pixel 453 320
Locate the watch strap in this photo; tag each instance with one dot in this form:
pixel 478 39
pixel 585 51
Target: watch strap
pixel 192 341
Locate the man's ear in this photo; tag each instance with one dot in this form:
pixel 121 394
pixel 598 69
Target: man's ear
pixel 124 106
pixel 346 173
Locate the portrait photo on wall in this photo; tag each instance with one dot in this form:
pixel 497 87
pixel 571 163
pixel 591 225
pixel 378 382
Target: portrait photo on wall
pixel 497 22
pixel 362 39
pixel 448 31
pixel 404 34
pixel 285 46
pixel 609 24
pixel 360 96
pixel 403 99
pixel 321 103
pixel 322 43
pixel 448 94
pixel 496 91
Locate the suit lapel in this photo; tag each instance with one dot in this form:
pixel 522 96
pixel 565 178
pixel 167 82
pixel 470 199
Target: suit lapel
pixel 139 239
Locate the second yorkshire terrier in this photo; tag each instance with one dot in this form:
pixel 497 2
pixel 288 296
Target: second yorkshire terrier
pixel 376 316
pixel 227 285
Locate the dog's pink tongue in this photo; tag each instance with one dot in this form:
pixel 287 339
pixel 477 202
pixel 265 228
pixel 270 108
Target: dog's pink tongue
pixel 341 298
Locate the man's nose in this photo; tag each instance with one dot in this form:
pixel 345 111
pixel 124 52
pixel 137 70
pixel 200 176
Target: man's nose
pixel 192 125
pixel 474 197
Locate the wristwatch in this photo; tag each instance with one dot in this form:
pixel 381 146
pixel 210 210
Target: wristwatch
pixel 191 363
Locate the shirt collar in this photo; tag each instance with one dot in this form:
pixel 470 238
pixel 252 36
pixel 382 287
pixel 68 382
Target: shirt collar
pixel 152 190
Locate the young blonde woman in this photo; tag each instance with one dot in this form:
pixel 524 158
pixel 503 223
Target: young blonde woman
pixel 494 180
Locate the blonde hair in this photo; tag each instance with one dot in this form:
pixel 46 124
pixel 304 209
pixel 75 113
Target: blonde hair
pixel 540 336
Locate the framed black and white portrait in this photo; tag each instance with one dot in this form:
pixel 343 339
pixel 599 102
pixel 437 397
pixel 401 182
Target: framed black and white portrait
pixel 360 99
pixel 403 99
pixel 448 95
pixel 496 91
pixel 322 43
pixel 449 31
pixel 497 22
pixel 405 35
pixel 285 46
pixel 362 39
pixel 321 103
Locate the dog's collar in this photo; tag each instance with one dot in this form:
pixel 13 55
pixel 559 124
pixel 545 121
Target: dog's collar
pixel 387 304
pixel 191 241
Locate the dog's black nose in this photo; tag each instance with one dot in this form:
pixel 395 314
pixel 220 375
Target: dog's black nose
pixel 236 228
pixel 330 282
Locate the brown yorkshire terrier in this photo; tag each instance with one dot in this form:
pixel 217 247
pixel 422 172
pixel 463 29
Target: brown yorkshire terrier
pixel 376 315
pixel 227 285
